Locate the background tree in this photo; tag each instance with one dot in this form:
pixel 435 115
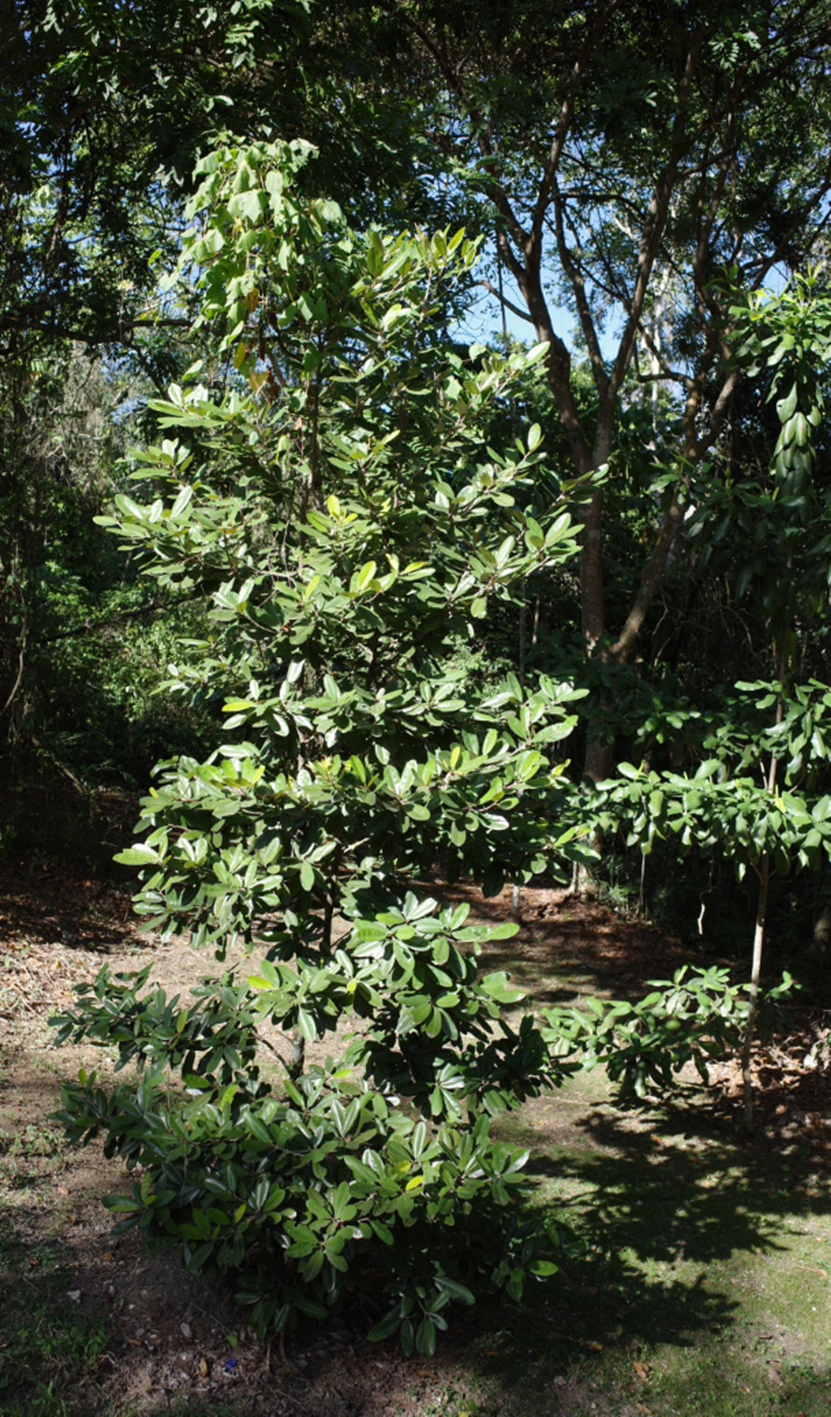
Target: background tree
pixel 97 156
pixel 631 159
pixel 642 166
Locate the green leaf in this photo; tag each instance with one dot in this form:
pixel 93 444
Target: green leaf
pixel 138 855
pixel 786 407
pixel 426 1337
pixel 362 580
pixel 389 1325
pixel 306 1025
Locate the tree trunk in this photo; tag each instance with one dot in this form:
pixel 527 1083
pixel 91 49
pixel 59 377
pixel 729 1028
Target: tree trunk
pixel 516 902
pixel 298 1054
pixel 759 930
pixel 755 975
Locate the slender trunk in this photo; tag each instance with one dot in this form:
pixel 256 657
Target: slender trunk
pixel 755 975
pixel 758 949
pixel 818 944
pixel 592 608
pixel 523 634
pixel 298 1054
pixel 821 934
pixel 516 902
pixel 597 763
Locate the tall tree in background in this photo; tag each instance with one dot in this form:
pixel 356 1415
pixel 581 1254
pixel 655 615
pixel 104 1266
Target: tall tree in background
pixel 632 156
pixel 104 111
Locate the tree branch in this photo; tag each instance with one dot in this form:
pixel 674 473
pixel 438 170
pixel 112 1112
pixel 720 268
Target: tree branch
pixel 673 518
pixel 653 230
pixel 16 685
pixel 564 120
pixel 574 273
pixel 505 302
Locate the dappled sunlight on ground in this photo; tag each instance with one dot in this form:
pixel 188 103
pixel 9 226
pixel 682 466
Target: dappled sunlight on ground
pixel 692 1260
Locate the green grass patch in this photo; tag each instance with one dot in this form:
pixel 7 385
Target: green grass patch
pixel 695 1281
pixel 49 1350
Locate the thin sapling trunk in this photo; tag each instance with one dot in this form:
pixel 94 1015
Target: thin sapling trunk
pixel 763 873
pixel 755 975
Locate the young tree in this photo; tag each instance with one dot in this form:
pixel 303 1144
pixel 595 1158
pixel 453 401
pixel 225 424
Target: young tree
pixel 103 112
pixel 338 510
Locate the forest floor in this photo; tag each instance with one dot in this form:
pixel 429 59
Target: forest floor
pixel 697 1285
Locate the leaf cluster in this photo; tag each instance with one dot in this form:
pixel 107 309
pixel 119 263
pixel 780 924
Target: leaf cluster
pixel 696 1017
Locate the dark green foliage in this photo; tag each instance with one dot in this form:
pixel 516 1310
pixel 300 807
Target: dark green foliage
pixel 357 1167
pixel 327 523
pixel 697 1017
pixel 83 642
pixel 344 522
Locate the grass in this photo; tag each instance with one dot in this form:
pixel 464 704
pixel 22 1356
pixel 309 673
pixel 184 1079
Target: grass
pixel 49 1353
pixel 695 1282
pixel 49 1350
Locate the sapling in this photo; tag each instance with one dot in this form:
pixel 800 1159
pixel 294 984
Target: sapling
pixel 339 508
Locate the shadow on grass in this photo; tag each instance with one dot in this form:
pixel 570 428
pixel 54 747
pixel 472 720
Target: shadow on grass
pixel 666 1199
pixel 570 950
pixel 669 1239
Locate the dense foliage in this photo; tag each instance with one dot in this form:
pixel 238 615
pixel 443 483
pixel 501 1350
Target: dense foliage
pixel 339 509
pixel 347 518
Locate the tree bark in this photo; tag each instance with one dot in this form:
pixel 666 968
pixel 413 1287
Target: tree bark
pixel 696 168
pixel 758 939
pixel 298 1055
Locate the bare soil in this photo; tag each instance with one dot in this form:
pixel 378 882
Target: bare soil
pixel 173 1336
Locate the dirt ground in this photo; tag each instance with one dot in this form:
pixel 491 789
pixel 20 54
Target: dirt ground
pixel 174 1336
